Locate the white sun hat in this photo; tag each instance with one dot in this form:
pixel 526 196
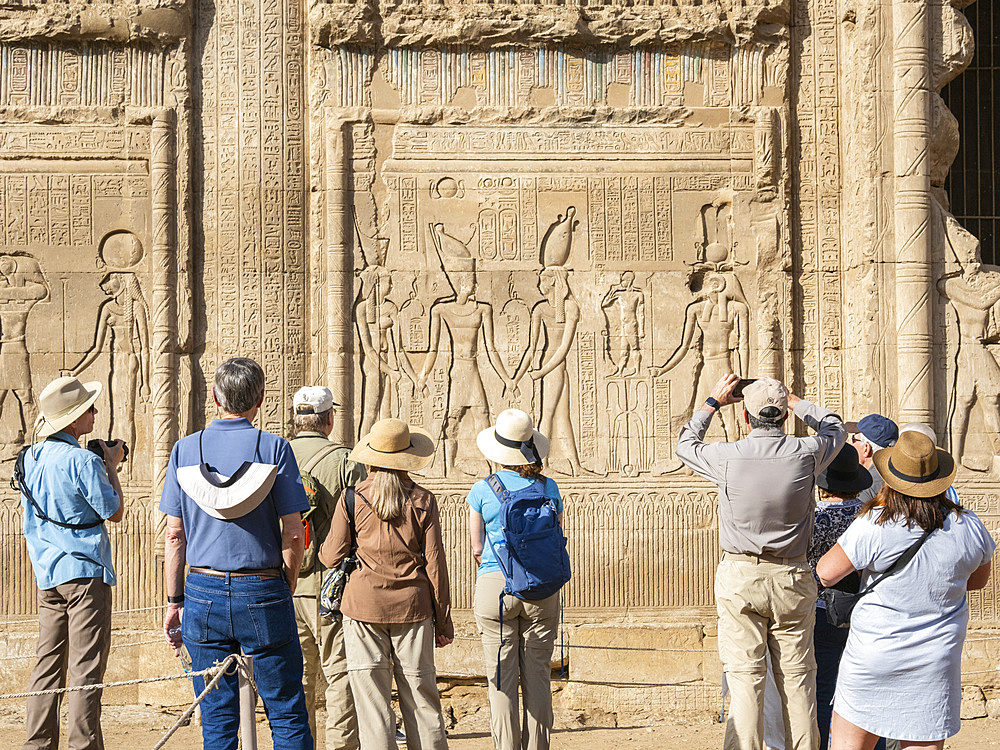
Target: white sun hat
pixel 227 497
pixel 63 401
pixel 513 440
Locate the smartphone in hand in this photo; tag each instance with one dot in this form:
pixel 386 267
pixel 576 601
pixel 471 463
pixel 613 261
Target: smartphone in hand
pixel 744 382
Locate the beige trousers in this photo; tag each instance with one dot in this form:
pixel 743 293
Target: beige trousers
pixel 323 650
pixel 74 638
pixel 766 606
pixel 376 652
pixel 528 637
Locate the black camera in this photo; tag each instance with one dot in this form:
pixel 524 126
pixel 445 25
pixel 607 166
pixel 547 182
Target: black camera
pixel 94 446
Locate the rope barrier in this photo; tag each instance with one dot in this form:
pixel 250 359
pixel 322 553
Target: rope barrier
pixel 27 620
pixel 115 645
pixel 103 685
pixel 222 669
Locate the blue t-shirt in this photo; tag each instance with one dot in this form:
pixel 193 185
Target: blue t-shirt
pixel 252 541
pixel 484 501
pixel 70 484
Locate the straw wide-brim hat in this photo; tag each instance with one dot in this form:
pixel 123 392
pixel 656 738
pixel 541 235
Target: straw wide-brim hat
pixel 915 466
pixel 393 444
pixel 509 441
pixel 63 401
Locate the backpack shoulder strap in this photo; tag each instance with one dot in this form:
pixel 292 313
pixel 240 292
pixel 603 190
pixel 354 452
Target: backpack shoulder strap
pixel 497 486
pixel 349 507
pixel 315 458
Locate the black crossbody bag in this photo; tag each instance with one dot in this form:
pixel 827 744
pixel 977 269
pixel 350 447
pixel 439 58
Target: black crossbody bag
pixel 840 604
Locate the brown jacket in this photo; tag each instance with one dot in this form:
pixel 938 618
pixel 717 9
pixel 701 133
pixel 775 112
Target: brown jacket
pixel 403 573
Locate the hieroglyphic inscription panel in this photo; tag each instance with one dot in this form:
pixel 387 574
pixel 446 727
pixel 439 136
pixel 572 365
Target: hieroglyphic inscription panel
pixel 252 203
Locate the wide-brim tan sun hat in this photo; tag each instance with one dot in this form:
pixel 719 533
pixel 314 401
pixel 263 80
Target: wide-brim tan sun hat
pixel 915 466
pixel 393 444
pixel 513 440
pixel 62 402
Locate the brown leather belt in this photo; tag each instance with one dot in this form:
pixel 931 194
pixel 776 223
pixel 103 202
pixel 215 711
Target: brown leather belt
pixel 259 572
pixel 763 557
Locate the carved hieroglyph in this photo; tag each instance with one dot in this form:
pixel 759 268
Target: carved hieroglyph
pixel 588 210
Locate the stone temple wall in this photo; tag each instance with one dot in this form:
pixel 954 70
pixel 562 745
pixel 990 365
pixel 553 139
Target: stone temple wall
pixel 588 209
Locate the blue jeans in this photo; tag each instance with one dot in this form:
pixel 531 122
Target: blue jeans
pixel 223 616
pixel 830 642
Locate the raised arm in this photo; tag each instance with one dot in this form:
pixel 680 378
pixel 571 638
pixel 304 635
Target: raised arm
pixel 687 336
pixel 99 338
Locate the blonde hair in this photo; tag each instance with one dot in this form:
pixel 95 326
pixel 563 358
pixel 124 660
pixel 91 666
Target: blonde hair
pixel 387 494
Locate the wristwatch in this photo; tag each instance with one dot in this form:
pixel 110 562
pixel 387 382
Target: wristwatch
pixel 712 402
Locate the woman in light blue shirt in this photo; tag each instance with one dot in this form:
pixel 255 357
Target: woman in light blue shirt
pixel 900 675
pixel 518 642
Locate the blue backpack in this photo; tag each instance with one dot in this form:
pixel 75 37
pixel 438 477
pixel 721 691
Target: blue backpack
pixel 533 554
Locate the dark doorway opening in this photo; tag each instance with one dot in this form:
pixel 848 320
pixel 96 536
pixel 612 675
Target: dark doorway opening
pixel 974 182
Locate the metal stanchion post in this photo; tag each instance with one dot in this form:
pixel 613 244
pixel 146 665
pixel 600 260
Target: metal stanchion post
pixel 248 705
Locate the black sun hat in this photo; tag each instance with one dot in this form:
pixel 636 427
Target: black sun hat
pixel 845 475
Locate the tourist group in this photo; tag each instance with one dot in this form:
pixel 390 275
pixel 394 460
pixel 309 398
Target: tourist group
pixel 845 614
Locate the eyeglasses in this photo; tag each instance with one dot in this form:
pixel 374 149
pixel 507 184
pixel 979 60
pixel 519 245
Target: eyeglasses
pixel 92 409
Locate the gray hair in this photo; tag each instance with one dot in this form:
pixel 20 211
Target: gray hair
pixel 310 422
pixel 239 385
pixel 763 422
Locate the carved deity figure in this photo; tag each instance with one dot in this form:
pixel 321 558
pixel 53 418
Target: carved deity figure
pixel 122 329
pixel 974 294
pixel 384 357
pixel 552 330
pixel 467 320
pixel 631 303
pixel 22 286
pixel 721 313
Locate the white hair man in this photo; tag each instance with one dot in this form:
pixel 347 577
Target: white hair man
pixel 326 471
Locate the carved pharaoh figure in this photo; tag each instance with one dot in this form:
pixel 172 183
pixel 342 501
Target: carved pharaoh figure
pixel 974 294
pixel 384 358
pixel 631 303
pixel 466 320
pixel 122 328
pixel 22 286
pixel 552 330
pixel 721 313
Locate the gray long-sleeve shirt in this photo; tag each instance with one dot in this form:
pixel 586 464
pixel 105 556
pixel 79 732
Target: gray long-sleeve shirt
pixel 766 481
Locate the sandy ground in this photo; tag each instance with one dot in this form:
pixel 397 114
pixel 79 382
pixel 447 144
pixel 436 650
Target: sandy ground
pixel 135 727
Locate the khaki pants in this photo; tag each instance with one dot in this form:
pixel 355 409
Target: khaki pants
pixel 767 606
pixel 323 650
pixel 528 637
pixel 376 652
pixel 74 638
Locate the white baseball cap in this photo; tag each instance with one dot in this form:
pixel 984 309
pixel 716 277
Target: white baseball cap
pixel 313 399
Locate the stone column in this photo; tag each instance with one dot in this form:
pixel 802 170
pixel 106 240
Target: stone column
pixel 912 91
pixel 164 297
pixel 340 278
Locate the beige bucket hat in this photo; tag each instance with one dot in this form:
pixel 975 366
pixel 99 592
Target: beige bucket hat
pixel 393 444
pixel 62 402
pixel 513 440
pixel 915 466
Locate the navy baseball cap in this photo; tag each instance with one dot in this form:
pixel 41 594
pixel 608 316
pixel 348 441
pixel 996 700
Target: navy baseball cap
pixel 879 430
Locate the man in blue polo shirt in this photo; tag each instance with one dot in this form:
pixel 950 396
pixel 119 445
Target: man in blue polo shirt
pixel 67 494
pixel 233 498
